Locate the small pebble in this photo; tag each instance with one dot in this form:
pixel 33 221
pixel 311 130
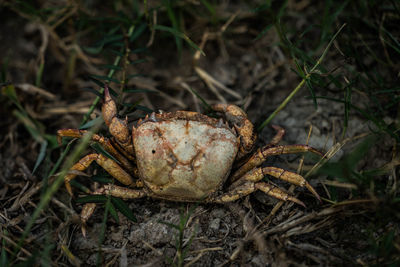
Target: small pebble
pixel 214 224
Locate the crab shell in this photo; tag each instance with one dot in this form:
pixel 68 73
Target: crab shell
pixel 184 159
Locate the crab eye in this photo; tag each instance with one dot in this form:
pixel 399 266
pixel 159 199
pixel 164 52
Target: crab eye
pixel 153 151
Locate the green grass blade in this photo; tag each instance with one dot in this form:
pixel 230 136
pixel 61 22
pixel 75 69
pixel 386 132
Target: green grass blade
pixel 140 29
pixel 105 78
pixel 347 105
pixel 102 178
pixel 53 188
pixel 99 149
pixel 179 35
pixel 80 186
pixel 109 67
pixel 3 256
pixel 110 75
pixel 170 224
pixel 42 154
pixel 92 90
pixel 113 212
pixel 92 199
pixel 103 230
pixel 126 90
pixel 300 85
pixel 89 124
pixel 208 106
pixel 122 207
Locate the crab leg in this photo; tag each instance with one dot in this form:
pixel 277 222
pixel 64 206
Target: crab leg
pixel 270 150
pixel 112 190
pixel 257 174
pixel 249 187
pixel 117 127
pixel 277 193
pixel 280 132
pixel 105 143
pixel 242 124
pixel 108 164
pixel 234 194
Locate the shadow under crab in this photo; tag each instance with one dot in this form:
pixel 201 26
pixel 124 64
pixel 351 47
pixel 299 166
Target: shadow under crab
pixel 186 156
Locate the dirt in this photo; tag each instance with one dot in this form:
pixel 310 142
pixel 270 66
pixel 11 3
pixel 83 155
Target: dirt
pixel 243 233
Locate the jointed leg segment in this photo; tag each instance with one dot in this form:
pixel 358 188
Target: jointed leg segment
pixel 117 127
pixel 108 164
pixel 249 187
pixel 257 174
pixel 242 124
pixel 104 142
pixel 251 182
pixel 269 150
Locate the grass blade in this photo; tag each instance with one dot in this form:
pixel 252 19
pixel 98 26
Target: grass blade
pixel 300 85
pixel 99 149
pixel 122 207
pixel 42 154
pixel 179 35
pixel 98 120
pixel 92 199
pixel 53 188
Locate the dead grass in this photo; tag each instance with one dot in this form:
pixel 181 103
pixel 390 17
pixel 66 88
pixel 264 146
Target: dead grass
pixel 253 57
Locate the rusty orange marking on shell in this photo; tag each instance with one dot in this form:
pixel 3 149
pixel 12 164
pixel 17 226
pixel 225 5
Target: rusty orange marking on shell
pixel 182 141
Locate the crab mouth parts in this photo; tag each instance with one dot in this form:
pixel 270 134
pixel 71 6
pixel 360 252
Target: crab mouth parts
pixel 182 182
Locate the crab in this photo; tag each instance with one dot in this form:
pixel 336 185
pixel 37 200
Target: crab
pixel 186 156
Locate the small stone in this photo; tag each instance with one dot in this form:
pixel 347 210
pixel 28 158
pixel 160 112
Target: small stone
pixel 214 224
pixel 218 213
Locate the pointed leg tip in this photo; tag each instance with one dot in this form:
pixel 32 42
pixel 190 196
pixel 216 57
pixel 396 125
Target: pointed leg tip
pixel 83 229
pixel 315 151
pixel 315 194
pixel 276 127
pixel 297 201
pixel 69 189
pixel 106 91
pixel 312 190
pixel 59 140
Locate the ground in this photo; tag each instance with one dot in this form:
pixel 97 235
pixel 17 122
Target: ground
pixel 343 109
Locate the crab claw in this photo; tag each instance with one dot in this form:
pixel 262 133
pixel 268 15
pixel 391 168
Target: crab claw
pixel 118 128
pixel 238 118
pixel 109 108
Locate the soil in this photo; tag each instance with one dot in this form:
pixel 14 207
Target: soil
pixel 242 233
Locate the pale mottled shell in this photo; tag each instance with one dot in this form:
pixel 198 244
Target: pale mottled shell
pixel 183 159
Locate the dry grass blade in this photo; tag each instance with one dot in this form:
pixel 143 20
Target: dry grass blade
pixel 286 225
pixel 251 53
pixel 71 257
pixel 151 85
pixel 46 198
pixel 332 152
pixel 339 184
pixel 32 89
pixel 200 254
pixel 9 240
pixel 211 85
pixel 214 84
